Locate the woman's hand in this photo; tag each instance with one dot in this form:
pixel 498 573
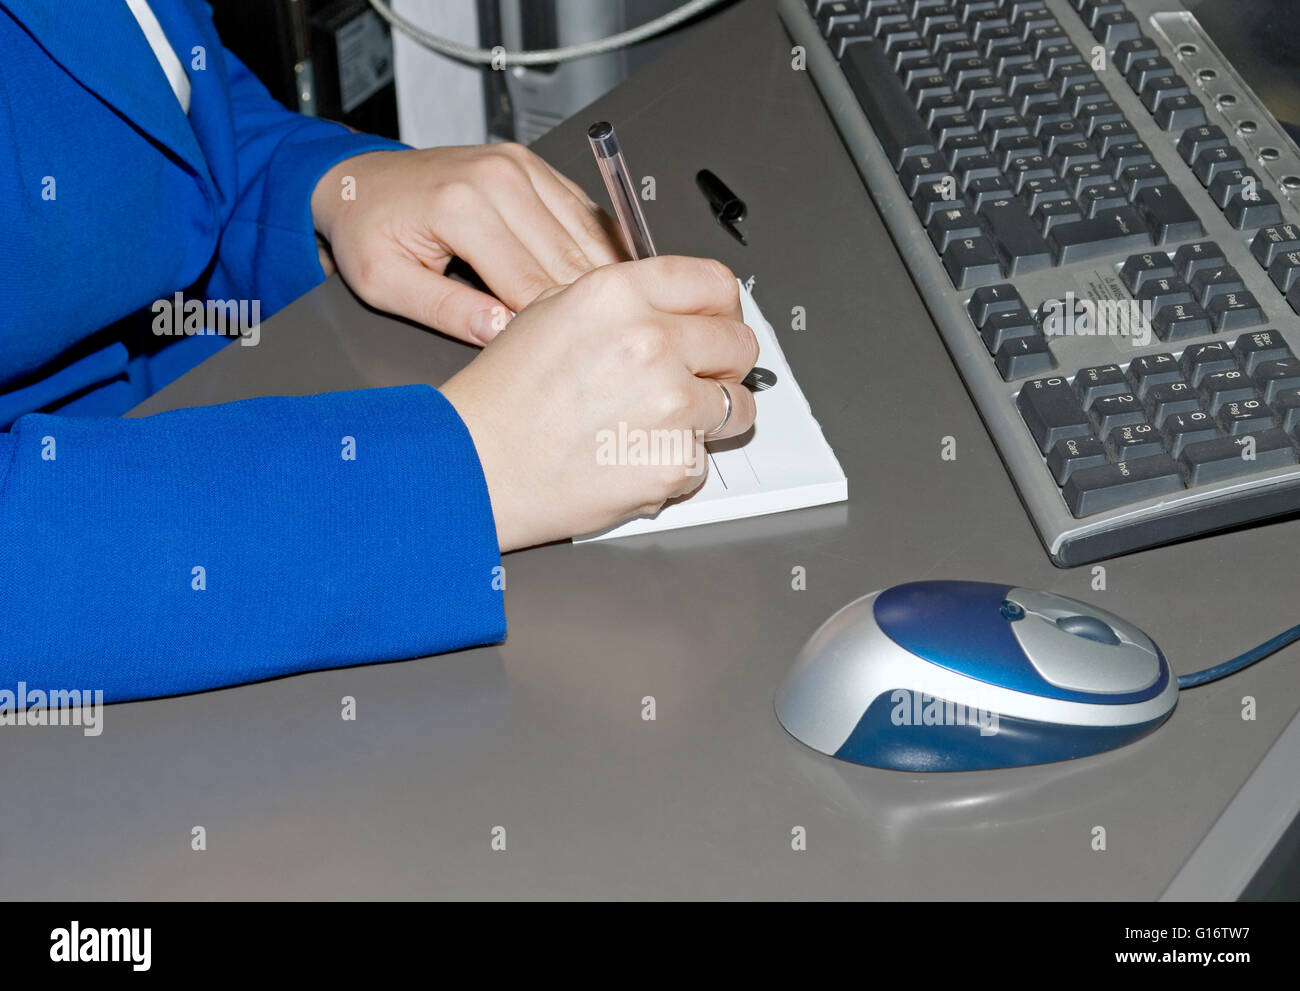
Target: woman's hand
pixel 394 219
pixel 643 344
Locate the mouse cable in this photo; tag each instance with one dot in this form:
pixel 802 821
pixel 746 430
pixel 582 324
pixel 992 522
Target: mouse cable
pixel 501 59
pixel 1240 661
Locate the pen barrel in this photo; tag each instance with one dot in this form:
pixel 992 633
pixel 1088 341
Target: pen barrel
pixel 622 190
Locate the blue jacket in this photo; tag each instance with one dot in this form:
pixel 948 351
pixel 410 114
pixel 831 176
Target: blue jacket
pixel 210 546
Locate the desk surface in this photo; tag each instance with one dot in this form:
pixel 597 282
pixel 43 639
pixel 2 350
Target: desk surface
pixel 543 735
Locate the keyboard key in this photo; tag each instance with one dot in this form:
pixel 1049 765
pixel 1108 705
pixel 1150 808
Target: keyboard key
pixel 1111 134
pixel 1168 214
pixel 1141 440
pixel 1199 360
pixel 1121 158
pixel 932 197
pixel 1003 327
pixel 1053 213
pixel 1286 409
pixel 958 223
pixel 1151 370
pixel 1109 232
pixel 1020 246
pixel 1259 347
pixel 1136 178
pixel 1230 183
pixel 1168 399
pixel 1137 269
pixel 1092 383
pixel 1182 429
pixel 1211 161
pixel 1232 457
pixel 1095 490
pixel 988 300
pixel 1073 454
pixel 1211 282
pixel 1196 139
pixel 1244 212
pixel 1278 376
pixel 1141 71
pixel 971 261
pixel 1193 258
pixel 1179 112
pixel 1220 388
pixel 1181 321
pixel 898 127
pixel 1234 311
pixel 1285 270
pixel 1272 241
pixel 1095 199
pixel 1112 28
pixel 1052 412
pixel 923 168
pixel 1121 410
pixel 1165 292
pixel 1244 417
pixel 1023 356
pixel 1161 88
pixel 1127 52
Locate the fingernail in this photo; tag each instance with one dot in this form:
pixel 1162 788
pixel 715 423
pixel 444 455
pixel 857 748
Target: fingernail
pixel 486 324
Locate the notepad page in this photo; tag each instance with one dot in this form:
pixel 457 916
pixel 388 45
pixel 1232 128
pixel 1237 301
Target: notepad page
pixel 783 463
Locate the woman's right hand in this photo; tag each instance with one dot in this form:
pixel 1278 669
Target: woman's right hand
pixel 643 344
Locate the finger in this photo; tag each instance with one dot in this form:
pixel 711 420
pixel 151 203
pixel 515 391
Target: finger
pixel 711 409
pixel 589 225
pixel 405 287
pixel 714 347
pixel 484 240
pixel 540 231
pixel 676 284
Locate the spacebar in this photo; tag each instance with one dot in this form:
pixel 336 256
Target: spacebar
pixel 885 102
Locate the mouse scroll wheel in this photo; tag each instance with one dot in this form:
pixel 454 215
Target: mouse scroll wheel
pixel 1090 628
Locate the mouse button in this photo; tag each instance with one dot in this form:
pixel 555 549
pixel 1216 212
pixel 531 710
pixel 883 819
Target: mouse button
pixel 1090 628
pixel 1082 665
pixel 1051 606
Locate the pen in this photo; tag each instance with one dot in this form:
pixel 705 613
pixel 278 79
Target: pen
pixel 604 145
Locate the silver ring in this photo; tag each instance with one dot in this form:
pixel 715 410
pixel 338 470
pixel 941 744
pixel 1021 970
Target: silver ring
pixel 726 397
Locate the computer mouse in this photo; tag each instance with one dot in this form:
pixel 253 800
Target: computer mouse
pixel 964 676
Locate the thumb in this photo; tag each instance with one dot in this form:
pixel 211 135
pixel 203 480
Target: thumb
pixel 405 287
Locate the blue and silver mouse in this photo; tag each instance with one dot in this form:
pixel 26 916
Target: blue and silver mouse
pixel 964 676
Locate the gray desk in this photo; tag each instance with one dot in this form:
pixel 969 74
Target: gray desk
pixel 543 735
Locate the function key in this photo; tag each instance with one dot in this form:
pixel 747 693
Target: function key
pixel 1092 11
pixel 1137 269
pixel 1272 241
pixel 1118 25
pixel 1160 89
pixel 1253 211
pixel 1127 52
pixel 1177 112
pixel 1196 139
pixel 1193 258
pixel 1141 71
pixel 1261 346
pixel 1230 183
pixel 1209 162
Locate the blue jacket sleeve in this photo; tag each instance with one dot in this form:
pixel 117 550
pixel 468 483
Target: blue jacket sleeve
pixel 268 248
pixel 211 546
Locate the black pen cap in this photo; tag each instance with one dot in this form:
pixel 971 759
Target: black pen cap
pixel 726 205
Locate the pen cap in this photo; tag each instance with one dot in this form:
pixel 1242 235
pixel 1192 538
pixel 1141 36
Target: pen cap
pixel 726 205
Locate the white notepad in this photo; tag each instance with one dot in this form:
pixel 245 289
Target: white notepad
pixel 783 463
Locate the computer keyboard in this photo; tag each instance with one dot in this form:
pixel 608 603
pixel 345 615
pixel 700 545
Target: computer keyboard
pixel 1101 218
